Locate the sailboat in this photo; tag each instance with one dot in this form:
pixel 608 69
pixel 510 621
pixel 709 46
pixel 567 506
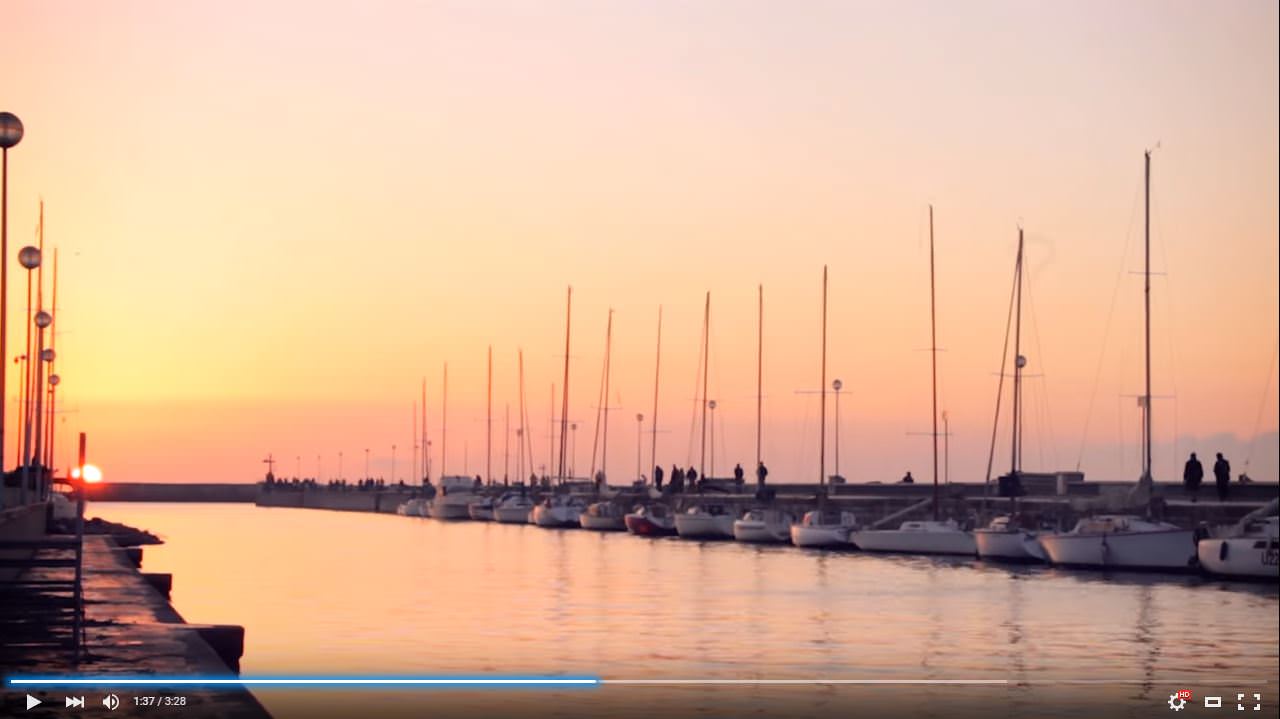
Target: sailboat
pixel 603 515
pixel 705 520
pixel 1248 550
pixel 561 509
pixel 651 520
pixel 1128 541
pixel 935 536
pixel 823 528
pixel 454 498
pixel 1003 538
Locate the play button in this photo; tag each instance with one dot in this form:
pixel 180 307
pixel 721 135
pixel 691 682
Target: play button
pixel 31 702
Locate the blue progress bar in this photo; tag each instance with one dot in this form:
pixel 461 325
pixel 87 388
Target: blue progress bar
pixel 112 681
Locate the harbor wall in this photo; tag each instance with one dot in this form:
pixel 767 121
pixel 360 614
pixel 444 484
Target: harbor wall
pixel 171 492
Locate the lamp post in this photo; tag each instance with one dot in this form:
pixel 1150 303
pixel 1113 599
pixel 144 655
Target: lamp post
pixel 837 385
pixel 10 135
pixel 29 258
pixel 393 464
pixel 339 466
pixel 573 448
pixel 639 432
pixel 712 406
pixel 366 462
pixel 46 355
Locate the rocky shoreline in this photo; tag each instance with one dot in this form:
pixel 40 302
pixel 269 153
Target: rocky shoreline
pixel 123 534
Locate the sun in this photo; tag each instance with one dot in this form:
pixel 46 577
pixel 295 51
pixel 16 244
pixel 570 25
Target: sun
pixel 92 475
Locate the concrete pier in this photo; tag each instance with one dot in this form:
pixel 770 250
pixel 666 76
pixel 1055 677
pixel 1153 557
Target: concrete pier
pixel 130 630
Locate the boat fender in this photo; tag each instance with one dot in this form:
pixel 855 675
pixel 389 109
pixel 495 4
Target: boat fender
pixel 1222 551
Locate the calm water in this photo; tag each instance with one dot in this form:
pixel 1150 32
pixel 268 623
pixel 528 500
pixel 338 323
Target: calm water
pixel 324 592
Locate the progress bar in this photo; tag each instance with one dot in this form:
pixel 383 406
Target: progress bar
pixel 109 681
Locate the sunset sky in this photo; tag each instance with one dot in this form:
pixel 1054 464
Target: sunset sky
pixel 275 219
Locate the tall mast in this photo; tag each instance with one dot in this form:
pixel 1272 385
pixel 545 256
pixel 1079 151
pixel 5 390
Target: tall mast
pixel 706 362
pixel 564 391
pixel 822 430
pixel 426 456
pixel 506 446
pixel 657 365
pixel 53 341
pixel 604 440
pixel 444 424
pixel 759 371
pixel 488 422
pixel 1015 448
pixel 523 431
pixel 413 468
pixel 1146 290
pixel 933 351
pixel 551 434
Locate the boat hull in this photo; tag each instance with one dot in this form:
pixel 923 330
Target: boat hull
pixel 646 527
pixel 912 542
pixel 602 524
pixel 480 512
pixel 450 510
pixel 1241 557
pixel 819 536
pixel 1008 545
pixel 552 517
pixel 1167 550
pixel 511 515
pixel 760 532
pixel 704 526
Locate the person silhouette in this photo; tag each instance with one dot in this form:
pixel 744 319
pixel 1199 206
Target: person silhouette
pixel 1192 475
pixel 1222 476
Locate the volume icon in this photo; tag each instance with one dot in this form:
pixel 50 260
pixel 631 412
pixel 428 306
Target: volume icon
pixel 111 701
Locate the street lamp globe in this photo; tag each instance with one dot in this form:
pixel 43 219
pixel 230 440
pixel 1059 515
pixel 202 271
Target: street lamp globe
pixel 43 320
pixel 54 380
pixel 1021 361
pixel 29 257
pixel 48 354
pixel 10 130
pixel 836 385
pixel 639 417
pixel 711 404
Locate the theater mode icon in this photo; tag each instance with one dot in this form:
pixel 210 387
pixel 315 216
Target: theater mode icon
pixel 1213 702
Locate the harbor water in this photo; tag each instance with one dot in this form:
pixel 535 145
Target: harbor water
pixel 348 593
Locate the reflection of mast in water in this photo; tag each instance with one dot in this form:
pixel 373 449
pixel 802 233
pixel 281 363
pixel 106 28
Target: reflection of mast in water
pixel 1147 634
pixel 1017 635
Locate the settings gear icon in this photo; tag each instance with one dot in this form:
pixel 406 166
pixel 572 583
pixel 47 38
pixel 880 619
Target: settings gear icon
pixel 1177 703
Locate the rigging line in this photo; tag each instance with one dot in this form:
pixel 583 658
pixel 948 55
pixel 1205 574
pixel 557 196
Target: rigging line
pixel 1004 358
pixel 1046 417
pixel 697 388
pixel 1106 332
pixel 1262 406
pixel 1169 310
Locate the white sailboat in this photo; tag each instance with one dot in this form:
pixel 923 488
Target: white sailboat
pixel 482 510
pixel 1004 539
pixel 558 510
pixel 603 517
pixel 1129 541
pixel 454 498
pixel 416 507
pixel 705 521
pixel 764 526
pixel 513 509
pixel 823 528
pixel 934 536
pixel 1252 551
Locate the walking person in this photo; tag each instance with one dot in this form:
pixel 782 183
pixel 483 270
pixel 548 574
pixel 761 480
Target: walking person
pixel 1222 475
pixel 1192 475
pixel 657 477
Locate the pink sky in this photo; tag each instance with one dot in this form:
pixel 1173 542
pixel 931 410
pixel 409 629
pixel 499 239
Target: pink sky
pixel 275 219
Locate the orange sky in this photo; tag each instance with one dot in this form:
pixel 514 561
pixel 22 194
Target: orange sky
pixel 275 219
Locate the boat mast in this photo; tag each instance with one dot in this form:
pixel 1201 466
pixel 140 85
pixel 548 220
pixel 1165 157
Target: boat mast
pixel 426 456
pixel 822 425
pixel 933 351
pixel 604 439
pixel 706 361
pixel 1146 276
pixel 564 391
pixel 444 424
pixel 657 364
pixel 488 423
pixel 506 445
pixel 1015 447
pixel 759 370
pixel 524 424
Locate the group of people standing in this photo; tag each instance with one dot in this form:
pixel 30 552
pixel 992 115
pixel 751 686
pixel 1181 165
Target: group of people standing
pixel 1193 475
pixel 682 478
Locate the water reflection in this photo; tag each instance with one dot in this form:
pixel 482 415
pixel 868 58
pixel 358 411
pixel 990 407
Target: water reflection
pixel 470 597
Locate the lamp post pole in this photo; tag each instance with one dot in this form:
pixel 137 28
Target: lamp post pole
pixel 366 463
pixel 639 432
pixel 29 257
pixel 10 135
pixel 837 385
pixel 712 406
pixel 339 466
